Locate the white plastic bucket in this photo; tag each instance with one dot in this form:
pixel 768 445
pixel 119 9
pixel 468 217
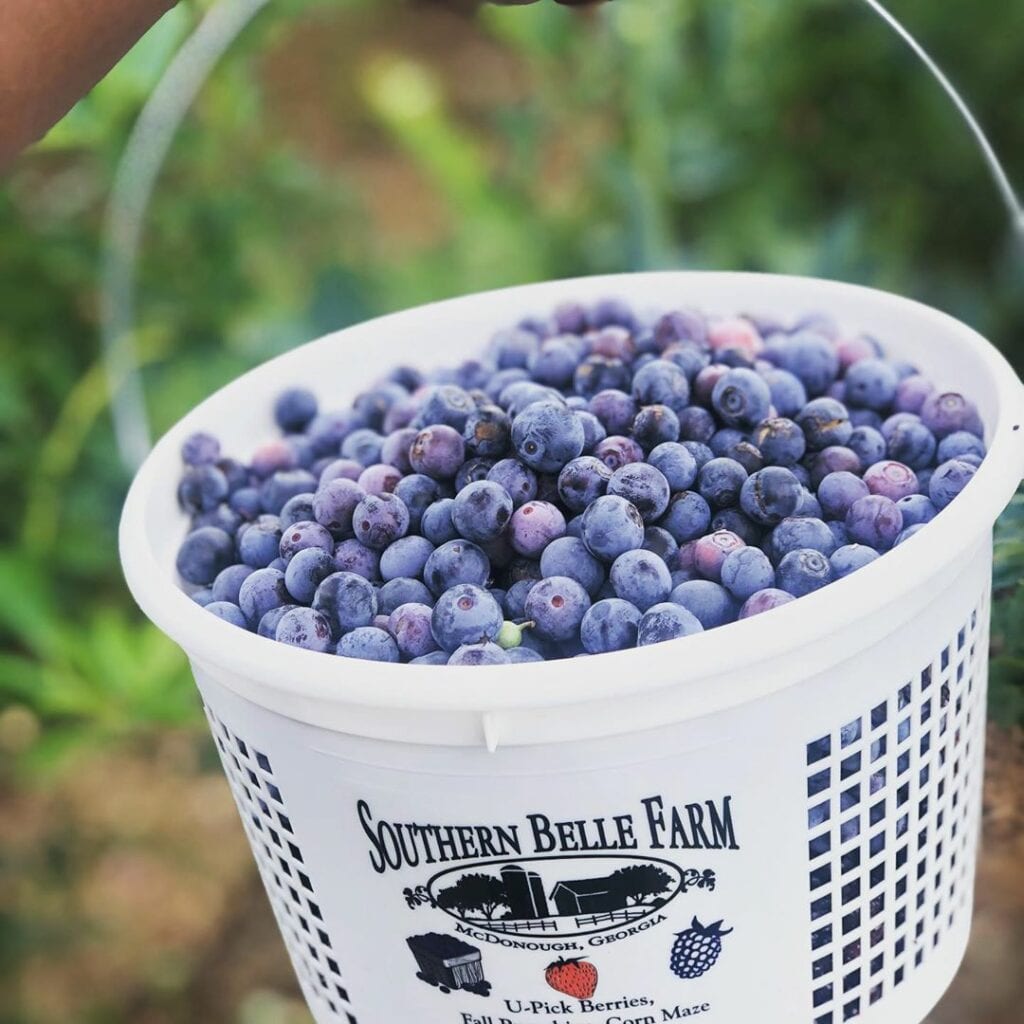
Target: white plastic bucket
pixel 810 777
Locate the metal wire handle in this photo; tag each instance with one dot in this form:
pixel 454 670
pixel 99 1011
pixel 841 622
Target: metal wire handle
pixel 150 141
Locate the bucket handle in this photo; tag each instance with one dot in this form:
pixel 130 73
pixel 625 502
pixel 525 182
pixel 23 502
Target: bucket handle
pixel 150 141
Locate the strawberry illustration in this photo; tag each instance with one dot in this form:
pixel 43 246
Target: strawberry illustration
pixel 572 977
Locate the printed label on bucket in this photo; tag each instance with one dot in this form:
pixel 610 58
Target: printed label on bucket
pixel 564 902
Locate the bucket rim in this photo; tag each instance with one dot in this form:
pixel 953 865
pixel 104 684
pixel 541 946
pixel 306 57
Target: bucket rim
pixel 261 666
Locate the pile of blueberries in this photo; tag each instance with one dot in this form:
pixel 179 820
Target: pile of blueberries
pixel 596 481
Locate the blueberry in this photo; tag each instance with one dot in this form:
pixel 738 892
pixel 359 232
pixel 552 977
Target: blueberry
pixel 405 558
pixel 513 348
pixel 617 451
pixel 278 488
pixel 522 655
pixel 812 358
pixel 788 393
pixel 911 393
pixel 519 481
pixel 556 606
pixel 445 405
pixel 535 525
pixel 514 603
pixel 724 441
pixel 834 459
pixel 764 601
pixel 471 655
pixel 738 522
pixel 770 495
pixel 402 590
pixel 641 578
pixel 202 597
pixel 395 449
pixel 465 614
pixel 864 418
pixel 611 526
pixel 912 443
pixel 687 517
pixel 546 436
pixel 482 510
pixel 611 312
pixel 867 444
pixel 379 520
pixel 438 451
pixel 305 628
pixel 875 521
pixel 297 510
pixel 666 622
pixel 306 571
pixel 654 425
pixel 662 382
pixel 741 398
pixel 228 612
pixel 369 644
pixel 780 441
pixel 838 491
pixel 959 444
pixel 379 478
pixel 434 658
pixel 200 449
pixel 809 507
pixel 273 457
pixel 907 533
pixel 419 493
pixel 945 413
pixel 948 481
pixel 488 432
pixel 644 487
pixel 268 623
pixel 347 601
pixel 660 542
pixel 720 482
pixel 247 503
pixel 353 556
pixel 696 424
pixel 229 581
pixel 340 469
pixel 437 524
pixel 599 373
pixel 410 625
pixel 363 446
pixel 915 509
pixel 825 422
pixel 568 556
pixel 676 464
pixel 609 625
pixel 593 429
pixel 615 410
pixel 871 383
pixel 456 562
pixel 328 429
pixel 264 590
pixel 582 481
pixel 711 551
pixel 701 453
pixel 851 557
pixel 554 363
pixel 745 571
pixel 302 535
pixel 710 603
pixel 202 488
pixel 226 519
pixel 522 394
pixel 793 534
pixel 803 571
pixel 294 409
pixel 204 553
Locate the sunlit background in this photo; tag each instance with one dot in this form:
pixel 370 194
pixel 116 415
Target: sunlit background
pixel 349 158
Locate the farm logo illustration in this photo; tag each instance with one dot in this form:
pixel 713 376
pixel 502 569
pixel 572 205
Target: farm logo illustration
pixel 574 977
pixel 697 949
pixel 449 964
pixel 556 897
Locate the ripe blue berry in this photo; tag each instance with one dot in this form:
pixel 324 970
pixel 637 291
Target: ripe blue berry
pixel 379 520
pixel 745 571
pixel 228 612
pixel 546 436
pixel 644 487
pixel 764 601
pixel 294 409
pixel 666 622
pixel 611 526
pixel 410 625
pixel 838 491
pixel 803 571
pixel 949 480
pixel 456 562
pixel 465 614
pixel 710 603
pixel 305 628
pixel 568 556
pixel 482 510
pixel 471 655
pixel 369 644
pixel 353 556
pixel 770 495
pixel 641 578
pixel 825 422
pixel 437 452
pixel 875 521
pixel 535 525
pixel 741 398
pixel 851 557
pixel 347 601
pixel 609 625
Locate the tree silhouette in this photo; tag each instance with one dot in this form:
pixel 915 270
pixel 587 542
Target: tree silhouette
pixel 640 881
pixel 475 891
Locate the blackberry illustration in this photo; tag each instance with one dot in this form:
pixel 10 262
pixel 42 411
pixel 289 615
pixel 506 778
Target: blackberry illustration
pixel 697 949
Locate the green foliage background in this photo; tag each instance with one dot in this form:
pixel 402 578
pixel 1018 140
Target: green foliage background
pixel 349 158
